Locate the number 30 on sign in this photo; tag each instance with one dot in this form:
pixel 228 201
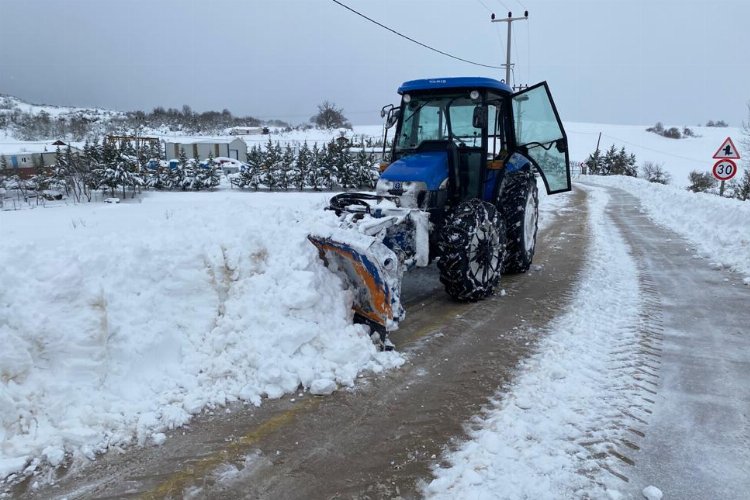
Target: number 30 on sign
pixel 725 169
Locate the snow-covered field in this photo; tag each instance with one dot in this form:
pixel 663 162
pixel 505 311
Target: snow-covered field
pixel 678 156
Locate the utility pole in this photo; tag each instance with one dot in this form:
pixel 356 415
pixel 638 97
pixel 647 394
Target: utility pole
pixel 509 20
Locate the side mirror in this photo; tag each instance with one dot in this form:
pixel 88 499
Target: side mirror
pixel 479 119
pixel 393 115
pixel 561 145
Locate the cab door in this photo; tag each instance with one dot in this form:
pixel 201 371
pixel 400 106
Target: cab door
pixel 540 136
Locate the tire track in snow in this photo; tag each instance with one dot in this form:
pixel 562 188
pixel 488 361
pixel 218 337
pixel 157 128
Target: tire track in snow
pixel 569 424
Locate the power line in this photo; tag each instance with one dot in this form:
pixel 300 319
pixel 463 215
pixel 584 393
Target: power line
pixel 570 132
pixel 485 6
pixel 413 40
pixel 503 4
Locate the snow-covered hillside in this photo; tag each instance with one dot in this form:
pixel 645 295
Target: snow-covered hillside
pixel 678 156
pixel 10 104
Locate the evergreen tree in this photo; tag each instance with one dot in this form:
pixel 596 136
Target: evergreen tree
pixel 177 173
pixel 286 168
pixel 317 167
pixel 302 167
pixel 213 177
pixel 366 175
pixel 741 187
pixel 271 161
pixel 594 163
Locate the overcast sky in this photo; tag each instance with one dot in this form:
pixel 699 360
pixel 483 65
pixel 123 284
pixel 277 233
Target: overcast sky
pixel 681 62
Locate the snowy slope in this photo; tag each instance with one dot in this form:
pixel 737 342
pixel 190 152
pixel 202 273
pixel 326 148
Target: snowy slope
pixel 10 105
pixel 678 156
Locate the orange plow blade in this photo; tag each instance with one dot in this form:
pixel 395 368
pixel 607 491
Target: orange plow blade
pixel 372 272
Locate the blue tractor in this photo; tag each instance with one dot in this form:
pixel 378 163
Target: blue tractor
pixel 460 189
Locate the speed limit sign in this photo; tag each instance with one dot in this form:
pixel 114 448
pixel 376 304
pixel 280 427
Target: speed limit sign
pixel 725 169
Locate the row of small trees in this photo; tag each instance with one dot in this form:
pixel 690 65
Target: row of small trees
pixel 121 169
pixel 111 168
pixel 612 162
pixel 331 166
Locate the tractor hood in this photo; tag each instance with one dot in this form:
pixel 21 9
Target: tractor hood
pixel 430 168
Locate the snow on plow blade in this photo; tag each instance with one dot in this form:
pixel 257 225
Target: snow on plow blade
pixel 371 271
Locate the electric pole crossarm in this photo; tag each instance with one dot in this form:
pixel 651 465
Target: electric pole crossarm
pixel 509 20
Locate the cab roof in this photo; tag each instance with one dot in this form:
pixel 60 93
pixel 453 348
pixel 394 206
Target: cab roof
pixel 474 82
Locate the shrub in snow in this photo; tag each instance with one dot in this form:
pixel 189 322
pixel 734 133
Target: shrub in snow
pixel 719 123
pixel 672 133
pixel 657 129
pixel 700 182
pixel 654 172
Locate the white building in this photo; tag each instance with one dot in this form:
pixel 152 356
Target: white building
pixel 201 147
pixel 22 158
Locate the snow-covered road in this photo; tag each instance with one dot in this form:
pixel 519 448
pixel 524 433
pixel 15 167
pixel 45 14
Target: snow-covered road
pixel 698 440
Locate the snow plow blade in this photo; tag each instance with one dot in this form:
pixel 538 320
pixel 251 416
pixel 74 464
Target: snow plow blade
pixel 371 271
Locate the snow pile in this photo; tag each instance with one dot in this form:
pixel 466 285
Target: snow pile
pixel 121 321
pixel 719 227
pixel 540 438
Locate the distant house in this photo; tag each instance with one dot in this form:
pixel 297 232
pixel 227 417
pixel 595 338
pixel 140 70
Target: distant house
pixel 201 147
pixel 22 158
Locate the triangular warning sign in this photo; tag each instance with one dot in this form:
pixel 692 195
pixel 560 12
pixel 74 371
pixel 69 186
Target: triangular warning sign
pixel 727 151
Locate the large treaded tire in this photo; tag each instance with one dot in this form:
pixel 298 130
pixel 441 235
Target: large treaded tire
pixel 472 245
pixel 519 203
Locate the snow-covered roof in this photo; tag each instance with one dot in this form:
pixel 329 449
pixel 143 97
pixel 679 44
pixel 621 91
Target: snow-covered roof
pixel 199 140
pixel 28 147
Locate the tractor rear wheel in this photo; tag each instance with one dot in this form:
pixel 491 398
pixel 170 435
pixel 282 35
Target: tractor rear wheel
pixel 519 202
pixel 472 245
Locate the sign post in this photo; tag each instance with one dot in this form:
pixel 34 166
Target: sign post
pixel 725 168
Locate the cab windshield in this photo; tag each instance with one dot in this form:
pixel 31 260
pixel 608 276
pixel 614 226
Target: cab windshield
pixel 442 117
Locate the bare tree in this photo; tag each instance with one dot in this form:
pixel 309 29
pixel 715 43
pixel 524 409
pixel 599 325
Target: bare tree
pixel 654 172
pixel 330 117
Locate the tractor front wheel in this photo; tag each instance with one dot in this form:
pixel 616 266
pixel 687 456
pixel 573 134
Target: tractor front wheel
pixel 472 247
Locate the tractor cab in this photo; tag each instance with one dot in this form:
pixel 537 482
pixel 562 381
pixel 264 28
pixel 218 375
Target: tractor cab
pixel 456 137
